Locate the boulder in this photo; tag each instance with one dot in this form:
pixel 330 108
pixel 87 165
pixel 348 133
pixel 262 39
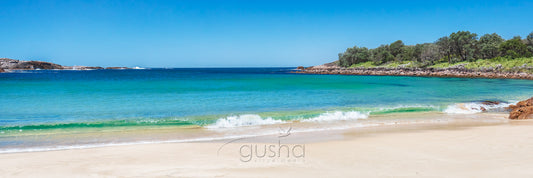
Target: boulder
pixel 300 67
pixel 525 103
pixel 522 113
pixel 2 70
pixel 522 109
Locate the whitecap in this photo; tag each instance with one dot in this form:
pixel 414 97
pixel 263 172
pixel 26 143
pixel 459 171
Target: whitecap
pixel 243 120
pixel 338 116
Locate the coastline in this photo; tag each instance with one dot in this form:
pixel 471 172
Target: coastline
pixel 9 65
pixel 399 139
pixel 65 138
pixel 415 150
pixel 416 72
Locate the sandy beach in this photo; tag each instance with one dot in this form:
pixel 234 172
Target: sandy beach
pixel 499 150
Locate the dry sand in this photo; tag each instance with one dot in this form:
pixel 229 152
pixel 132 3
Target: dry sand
pixel 502 150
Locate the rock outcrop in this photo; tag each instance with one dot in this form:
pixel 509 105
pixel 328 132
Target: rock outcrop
pixel 6 65
pixel 30 65
pixel 117 68
pixel 456 71
pixel 326 66
pixel 81 68
pixel 522 110
pixel 12 64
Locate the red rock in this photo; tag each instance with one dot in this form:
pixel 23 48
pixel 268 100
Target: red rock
pixel 333 68
pixel 522 109
pixel 521 113
pixel 525 103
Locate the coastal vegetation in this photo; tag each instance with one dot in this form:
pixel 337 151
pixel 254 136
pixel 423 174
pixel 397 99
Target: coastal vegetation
pixel 461 48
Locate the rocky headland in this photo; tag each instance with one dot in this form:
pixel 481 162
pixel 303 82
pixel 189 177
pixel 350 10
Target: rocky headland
pixel 454 71
pixel 7 65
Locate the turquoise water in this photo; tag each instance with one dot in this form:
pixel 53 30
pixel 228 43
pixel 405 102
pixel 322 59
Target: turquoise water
pixel 48 99
pixel 53 97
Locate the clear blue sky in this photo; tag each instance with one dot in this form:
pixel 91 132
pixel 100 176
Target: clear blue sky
pixel 226 33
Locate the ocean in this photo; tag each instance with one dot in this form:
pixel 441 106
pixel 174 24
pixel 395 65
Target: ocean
pixel 62 109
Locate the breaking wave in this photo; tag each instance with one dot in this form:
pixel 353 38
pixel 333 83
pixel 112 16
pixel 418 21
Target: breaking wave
pixel 476 107
pixel 338 116
pixel 255 120
pixel 243 120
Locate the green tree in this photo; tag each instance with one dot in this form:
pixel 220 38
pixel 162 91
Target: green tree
pixel 408 53
pixel 429 53
pixel 396 49
pixel 463 44
pixel 514 48
pixel 445 48
pixel 417 51
pixel 353 55
pixel 458 46
pixel 529 42
pixel 362 55
pixel 488 46
pixel 381 55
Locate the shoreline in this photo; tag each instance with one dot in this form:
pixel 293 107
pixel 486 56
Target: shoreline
pixel 420 150
pixel 158 135
pixel 415 72
pixel 110 137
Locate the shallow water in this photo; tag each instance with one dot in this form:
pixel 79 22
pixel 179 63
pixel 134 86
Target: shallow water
pixel 79 105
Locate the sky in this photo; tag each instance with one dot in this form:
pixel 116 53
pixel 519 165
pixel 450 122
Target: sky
pixel 228 33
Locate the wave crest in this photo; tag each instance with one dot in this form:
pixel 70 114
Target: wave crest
pixel 254 120
pixel 243 120
pixel 338 116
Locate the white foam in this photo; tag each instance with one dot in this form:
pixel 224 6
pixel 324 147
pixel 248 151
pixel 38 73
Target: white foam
pixel 254 120
pixel 474 107
pixel 338 116
pixel 408 106
pixel 98 145
pixel 243 120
